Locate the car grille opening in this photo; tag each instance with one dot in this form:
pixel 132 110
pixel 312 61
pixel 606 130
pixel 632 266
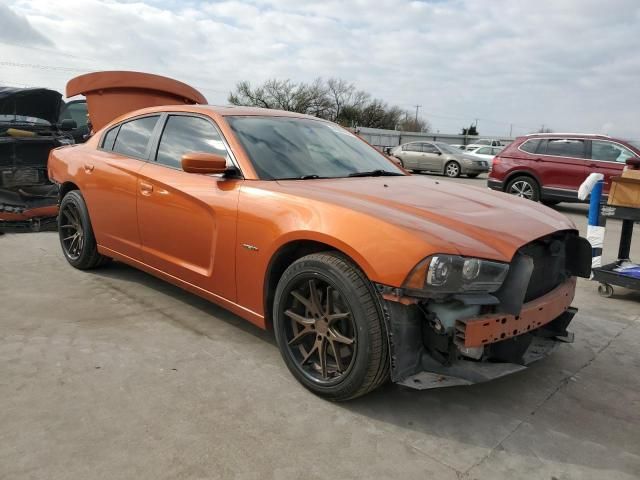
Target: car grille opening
pixel 549 264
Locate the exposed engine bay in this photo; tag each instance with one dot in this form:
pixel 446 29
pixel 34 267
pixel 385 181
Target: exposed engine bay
pixel 30 126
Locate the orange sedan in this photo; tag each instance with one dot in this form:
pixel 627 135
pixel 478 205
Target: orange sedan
pixel 364 272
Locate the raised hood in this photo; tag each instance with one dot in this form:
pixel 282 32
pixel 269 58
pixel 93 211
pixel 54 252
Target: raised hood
pixel 31 102
pixel 111 94
pixel 451 217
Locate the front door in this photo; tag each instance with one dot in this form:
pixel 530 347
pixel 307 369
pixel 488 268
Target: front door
pixel 431 158
pixel 187 221
pixel 609 159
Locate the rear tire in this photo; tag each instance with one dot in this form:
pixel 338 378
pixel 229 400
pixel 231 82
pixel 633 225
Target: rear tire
pixel 76 233
pixel 342 322
pixel 524 187
pixel 452 169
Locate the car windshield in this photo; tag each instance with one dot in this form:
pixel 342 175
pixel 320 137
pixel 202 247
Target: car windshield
pixel 300 148
pixel 445 147
pixel 23 119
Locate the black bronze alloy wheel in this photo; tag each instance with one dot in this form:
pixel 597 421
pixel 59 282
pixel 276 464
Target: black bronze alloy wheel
pixel 76 234
pixel 524 187
pixel 329 327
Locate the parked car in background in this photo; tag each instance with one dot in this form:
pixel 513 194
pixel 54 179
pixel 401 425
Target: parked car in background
pixel 32 122
pixel 363 272
pixel 484 142
pixel 550 167
pixel 485 153
pixel 458 146
pixel 439 157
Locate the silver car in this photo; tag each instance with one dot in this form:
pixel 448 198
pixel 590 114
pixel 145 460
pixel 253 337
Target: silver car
pixel 439 157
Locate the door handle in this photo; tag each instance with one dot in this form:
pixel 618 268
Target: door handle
pixel 146 188
pixel 88 167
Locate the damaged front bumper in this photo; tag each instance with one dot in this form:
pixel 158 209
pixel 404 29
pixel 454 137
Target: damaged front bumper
pixel 467 339
pixel 29 209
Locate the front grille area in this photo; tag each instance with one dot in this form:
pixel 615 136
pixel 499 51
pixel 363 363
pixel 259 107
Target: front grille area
pixel 549 264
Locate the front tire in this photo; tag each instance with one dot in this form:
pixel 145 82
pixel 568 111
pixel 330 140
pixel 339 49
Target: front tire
pixel 329 327
pixel 452 169
pixel 76 233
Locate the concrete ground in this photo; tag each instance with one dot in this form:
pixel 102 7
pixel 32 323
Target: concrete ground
pixel 115 374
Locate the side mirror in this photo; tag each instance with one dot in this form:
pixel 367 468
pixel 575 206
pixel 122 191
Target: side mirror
pixel 68 124
pixel 205 163
pixel 633 163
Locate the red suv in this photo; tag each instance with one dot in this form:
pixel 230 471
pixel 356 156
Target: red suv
pixel 550 167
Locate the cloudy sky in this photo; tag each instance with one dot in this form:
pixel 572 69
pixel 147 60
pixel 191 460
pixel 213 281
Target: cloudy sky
pixel 571 65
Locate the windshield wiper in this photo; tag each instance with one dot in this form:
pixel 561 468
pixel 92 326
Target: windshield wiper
pixel 376 173
pixel 302 177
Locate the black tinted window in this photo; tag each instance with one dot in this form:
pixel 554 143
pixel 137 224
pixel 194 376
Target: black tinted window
pixel 109 138
pixel 134 136
pixel 187 134
pixel 530 146
pixel 75 111
pixel 565 148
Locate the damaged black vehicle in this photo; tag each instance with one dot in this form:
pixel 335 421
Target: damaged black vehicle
pixel 32 122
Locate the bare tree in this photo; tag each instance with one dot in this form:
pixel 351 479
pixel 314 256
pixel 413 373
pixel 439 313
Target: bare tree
pixel 336 100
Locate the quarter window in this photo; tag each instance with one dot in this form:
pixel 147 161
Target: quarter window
pixel 133 137
pixel 609 152
pixel 110 138
pixel 184 134
pixel 530 146
pixel 565 148
pixel 484 151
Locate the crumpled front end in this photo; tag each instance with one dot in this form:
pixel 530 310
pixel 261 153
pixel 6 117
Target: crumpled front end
pixel 29 209
pixel 467 338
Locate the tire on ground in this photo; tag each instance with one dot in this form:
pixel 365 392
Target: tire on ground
pixel 371 364
pixel 89 257
pixel 535 187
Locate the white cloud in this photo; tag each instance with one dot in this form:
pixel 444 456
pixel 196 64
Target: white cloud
pixel 570 64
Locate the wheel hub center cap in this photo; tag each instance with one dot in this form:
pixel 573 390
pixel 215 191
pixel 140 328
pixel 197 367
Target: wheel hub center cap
pixel 322 326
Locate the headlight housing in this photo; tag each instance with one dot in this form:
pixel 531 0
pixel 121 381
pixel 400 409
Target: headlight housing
pixel 443 273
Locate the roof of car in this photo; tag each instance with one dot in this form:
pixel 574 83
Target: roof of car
pixel 567 134
pixel 232 110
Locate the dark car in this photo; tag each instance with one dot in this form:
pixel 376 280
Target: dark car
pixel 551 167
pixel 32 122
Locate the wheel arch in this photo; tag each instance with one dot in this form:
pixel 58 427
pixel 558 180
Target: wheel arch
pixel 289 252
pixel 520 173
pixel 65 188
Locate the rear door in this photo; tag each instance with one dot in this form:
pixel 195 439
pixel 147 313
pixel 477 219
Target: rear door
pixel 411 155
pixel 111 183
pixel 608 158
pixel 187 221
pixel 560 165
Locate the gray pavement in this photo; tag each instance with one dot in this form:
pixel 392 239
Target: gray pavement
pixel 115 374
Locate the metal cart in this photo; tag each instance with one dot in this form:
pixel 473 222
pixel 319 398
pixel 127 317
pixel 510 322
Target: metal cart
pixel 606 274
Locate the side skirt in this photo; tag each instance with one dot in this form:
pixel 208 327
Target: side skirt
pixel 239 310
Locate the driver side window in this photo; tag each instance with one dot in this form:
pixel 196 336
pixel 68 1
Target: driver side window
pixel 184 134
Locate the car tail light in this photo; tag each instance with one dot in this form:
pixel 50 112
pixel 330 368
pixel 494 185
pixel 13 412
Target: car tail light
pixel 493 162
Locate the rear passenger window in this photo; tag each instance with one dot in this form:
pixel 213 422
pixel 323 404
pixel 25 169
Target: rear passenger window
pixel 184 134
pixel 565 148
pixel 530 146
pixel 110 138
pixel 412 147
pixel 133 137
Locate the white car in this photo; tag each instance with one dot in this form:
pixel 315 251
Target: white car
pixel 484 142
pixel 486 153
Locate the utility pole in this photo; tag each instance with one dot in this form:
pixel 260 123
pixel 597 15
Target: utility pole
pixel 510 130
pixel 417 107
